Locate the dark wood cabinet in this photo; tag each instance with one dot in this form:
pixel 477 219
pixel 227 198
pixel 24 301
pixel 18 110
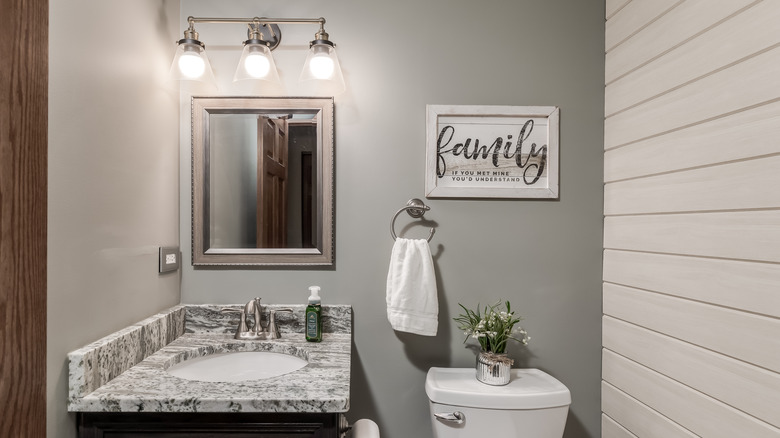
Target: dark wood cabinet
pixel 211 425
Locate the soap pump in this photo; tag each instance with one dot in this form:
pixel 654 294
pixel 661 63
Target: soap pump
pixel 314 315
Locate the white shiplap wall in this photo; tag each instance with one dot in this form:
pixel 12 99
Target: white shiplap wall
pixel 691 325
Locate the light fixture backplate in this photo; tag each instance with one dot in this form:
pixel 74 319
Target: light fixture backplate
pixel 274 38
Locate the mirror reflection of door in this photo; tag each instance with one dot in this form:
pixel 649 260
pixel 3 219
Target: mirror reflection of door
pixel 308 194
pixel 262 181
pixel 272 182
pixel 302 185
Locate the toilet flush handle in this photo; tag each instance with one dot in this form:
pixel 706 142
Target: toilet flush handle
pixel 456 417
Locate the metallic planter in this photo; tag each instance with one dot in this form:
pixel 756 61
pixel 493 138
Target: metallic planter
pixel 493 369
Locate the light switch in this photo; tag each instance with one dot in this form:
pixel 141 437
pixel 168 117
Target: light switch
pixel 169 258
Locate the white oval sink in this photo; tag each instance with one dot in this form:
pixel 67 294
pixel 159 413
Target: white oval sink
pixel 237 366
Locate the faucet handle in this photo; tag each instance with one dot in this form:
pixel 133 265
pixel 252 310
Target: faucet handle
pixel 241 323
pixel 258 314
pixel 273 329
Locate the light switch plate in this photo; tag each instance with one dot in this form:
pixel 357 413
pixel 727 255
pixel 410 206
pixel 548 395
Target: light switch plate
pixel 169 258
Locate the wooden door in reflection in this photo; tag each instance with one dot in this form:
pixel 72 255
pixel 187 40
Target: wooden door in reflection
pixel 271 182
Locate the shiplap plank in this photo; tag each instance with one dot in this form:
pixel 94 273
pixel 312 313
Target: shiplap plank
pixel 752 338
pixel 636 417
pixel 691 409
pixel 612 6
pixel 689 19
pixel 753 390
pixel 753 287
pixel 632 18
pixel 749 83
pixel 741 135
pixel 733 186
pixel 610 429
pixel 745 235
pixel 710 51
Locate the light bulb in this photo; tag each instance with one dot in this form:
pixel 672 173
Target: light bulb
pixel 191 65
pixel 257 65
pixel 321 66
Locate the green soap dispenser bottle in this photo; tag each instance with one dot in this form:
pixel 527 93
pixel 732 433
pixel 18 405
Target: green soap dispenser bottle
pixel 314 315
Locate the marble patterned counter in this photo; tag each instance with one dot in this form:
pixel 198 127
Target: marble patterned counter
pixel 125 371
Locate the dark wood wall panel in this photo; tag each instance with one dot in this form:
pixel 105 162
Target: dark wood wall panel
pixel 23 169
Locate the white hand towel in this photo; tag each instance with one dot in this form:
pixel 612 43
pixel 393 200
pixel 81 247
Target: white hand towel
pixel 412 305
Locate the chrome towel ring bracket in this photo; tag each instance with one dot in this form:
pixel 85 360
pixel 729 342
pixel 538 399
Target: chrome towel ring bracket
pixel 416 209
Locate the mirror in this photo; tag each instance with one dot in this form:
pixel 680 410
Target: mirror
pixel 262 181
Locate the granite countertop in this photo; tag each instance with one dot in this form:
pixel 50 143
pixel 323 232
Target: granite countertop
pixel 144 386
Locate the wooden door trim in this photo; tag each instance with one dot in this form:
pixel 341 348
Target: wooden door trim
pixel 23 202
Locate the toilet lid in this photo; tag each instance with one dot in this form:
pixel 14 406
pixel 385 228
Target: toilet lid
pixel 527 389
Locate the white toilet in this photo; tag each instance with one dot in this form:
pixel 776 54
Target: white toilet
pixel 533 404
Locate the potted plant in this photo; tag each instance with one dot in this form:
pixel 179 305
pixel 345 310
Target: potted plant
pixel 492 328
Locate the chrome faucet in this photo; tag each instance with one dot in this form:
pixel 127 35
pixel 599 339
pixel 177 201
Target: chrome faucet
pixel 257 331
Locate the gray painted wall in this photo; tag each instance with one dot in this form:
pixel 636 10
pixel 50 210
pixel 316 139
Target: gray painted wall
pixel 113 177
pixel 545 256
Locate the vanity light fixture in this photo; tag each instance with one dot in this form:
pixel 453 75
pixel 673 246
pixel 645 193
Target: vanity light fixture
pixel 190 61
pixel 257 63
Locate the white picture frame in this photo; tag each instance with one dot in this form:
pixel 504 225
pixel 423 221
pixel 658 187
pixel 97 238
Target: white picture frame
pixel 491 151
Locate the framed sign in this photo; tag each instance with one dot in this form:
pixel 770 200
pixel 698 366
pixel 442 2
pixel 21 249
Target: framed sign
pixel 491 151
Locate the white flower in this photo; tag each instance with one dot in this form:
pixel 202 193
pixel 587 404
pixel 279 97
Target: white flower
pixel 493 328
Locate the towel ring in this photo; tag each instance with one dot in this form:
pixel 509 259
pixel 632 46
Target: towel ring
pixel 416 209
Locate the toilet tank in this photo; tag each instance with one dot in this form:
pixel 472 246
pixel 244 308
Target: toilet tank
pixel 534 404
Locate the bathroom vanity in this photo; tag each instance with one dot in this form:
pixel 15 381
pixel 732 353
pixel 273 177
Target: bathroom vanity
pixel 121 386
pixel 157 425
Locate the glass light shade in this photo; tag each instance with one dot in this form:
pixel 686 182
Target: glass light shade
pixel 322 64
pixel 256 63
pixel 190 62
